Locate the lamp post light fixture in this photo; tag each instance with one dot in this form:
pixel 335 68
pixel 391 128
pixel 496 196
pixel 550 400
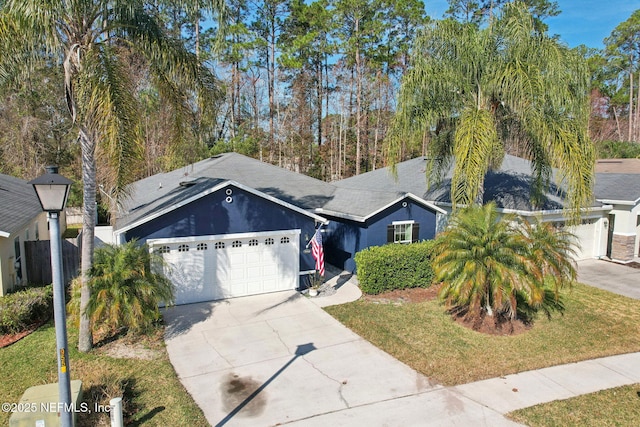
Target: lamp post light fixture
pixel 52 190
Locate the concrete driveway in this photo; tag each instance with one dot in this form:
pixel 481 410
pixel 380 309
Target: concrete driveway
pixel 280 359
pixel 613 277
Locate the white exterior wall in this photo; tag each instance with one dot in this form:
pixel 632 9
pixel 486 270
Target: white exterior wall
pixel 36 229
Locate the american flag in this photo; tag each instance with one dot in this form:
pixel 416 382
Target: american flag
pixel 317 251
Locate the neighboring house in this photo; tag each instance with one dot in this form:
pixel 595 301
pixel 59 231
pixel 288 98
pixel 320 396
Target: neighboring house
pixel 21 219
pixel 233 226
pixel 618 185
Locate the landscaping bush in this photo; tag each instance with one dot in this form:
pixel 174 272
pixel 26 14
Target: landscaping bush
pixel 394 266
pixel 22 309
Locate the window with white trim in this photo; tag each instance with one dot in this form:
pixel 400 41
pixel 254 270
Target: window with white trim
pixel 163 250
pixel 403 232
pixel 201 247
pixel 183 248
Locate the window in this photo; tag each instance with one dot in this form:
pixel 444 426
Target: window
pixel 284 240
pixel 201 247
pixel 268 241
pixel 163 250
pixel 236 244
pixel 219 245
pixel 403 232
pixel 253 242
pixel 183 248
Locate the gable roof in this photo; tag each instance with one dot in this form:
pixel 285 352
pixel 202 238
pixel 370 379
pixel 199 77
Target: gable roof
pixel 161 193
pixel 509 186
pixel 19 204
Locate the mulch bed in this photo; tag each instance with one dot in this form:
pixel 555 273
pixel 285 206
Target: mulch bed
pixel 488 325
pixel 8 339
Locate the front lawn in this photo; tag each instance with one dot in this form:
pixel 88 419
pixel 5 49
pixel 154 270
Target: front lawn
pixel 596 323
pixel 618 406
pixel 153 395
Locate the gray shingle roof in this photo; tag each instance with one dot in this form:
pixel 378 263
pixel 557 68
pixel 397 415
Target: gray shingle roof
pixel 618 186
pixel 163 190
pixel 18 204
pixel 358 196
pixel 509 186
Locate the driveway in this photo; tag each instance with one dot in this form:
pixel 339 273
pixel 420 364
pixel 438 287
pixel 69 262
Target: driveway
pixel 280 359
pixel 613 277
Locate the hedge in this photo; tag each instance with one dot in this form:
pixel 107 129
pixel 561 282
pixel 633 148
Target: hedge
pixel 394 266
pixel 22 309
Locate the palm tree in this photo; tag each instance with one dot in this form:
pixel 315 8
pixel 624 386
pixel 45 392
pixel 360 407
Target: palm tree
pixel 93 40
pixel 499 266
pixel 125 292
pixel 475 93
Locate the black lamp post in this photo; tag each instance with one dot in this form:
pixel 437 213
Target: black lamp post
pixel 52 191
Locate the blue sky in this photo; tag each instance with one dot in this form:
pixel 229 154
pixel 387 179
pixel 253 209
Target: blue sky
pixel 585 22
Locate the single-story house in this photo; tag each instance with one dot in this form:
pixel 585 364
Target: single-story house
pixel 232 226
pixel 21 219
pixel 618 185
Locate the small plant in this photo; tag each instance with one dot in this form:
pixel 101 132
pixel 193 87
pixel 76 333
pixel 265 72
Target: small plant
pixel 315 281
pixel 125 291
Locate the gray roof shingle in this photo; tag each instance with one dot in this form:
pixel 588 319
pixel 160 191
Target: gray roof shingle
pixel 509 186
pixel 18 204
pixel 618 186
pixel 358 196
pixel 163 190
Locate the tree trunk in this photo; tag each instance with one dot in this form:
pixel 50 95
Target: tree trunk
pixel 358 97
pixel 636 126
pixel 618 130
pixel 88 148
pixel 630 106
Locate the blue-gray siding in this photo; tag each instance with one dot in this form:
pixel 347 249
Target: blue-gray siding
pixel 344 238
pixel 213 215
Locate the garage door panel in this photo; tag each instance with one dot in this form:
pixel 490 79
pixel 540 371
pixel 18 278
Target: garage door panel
pixel 189 272
pixel 232 267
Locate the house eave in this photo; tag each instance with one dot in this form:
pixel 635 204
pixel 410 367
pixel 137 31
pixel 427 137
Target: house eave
pixel 548 212
pixel 620 202
pixel 358 218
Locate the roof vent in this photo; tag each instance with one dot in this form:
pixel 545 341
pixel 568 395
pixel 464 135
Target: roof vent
pixel 187 182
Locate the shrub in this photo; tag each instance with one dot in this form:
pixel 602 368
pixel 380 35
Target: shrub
pixel 394 266
pixel 125 291
pixel 20 310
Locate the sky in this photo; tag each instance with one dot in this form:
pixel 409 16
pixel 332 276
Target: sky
pixel 585 22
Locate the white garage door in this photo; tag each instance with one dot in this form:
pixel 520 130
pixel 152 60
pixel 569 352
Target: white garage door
pixel 586 238
pixel 233 265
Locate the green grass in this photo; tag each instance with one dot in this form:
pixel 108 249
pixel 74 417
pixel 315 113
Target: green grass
pixel 153 395
pixel 72 231
pixel 614 407
pixel 596 323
